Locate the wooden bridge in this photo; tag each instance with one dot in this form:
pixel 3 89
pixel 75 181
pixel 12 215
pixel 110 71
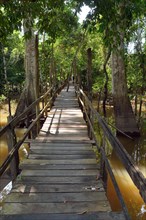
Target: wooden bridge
pixel 61 179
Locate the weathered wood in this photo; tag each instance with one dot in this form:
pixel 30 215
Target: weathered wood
pixel 54 208
pixel 11 141
pixel 66 151
pixel 64 147
pixel 57 179
pixel 65 173
pixel 61 156
pixel 22 188
pixel 66 178
pixel 65 197
pixel 80 216
pixel 45 140
pixel 135 174
pixel 17 119
pixel 67 161
pixel 59 166
pixel 5 179
pixel 12 125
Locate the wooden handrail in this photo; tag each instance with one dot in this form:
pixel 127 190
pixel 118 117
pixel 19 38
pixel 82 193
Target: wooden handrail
pixel 19 143
pixel 17 119
pixel 101 149
pixel 134 172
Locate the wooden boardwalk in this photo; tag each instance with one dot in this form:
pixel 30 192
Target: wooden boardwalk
pixel 60 179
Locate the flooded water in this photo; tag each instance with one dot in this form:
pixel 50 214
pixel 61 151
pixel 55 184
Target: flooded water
pixel 135 204
pixel 23 152
pixel 136 148
pixel 130 193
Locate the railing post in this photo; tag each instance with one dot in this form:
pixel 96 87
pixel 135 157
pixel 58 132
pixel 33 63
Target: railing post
pixel 11 141
pixel 90 115
pixel 38 122
pixel 46 111
pixel 103 171
pixel 27 125
pixel 43 105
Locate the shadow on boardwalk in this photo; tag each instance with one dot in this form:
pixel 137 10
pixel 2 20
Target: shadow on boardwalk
pixel 60 179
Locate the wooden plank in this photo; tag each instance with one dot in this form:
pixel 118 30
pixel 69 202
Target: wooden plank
pixel 66 197
pixel 59 173
pixel 61 157
pixel 63 138
pixel 59 166
pixel 58 179
pixel 84 187
pixel 62 148
pixel 80 216
pixel 66 125
pixel 54 208
pixel 62 145
pixel 66 162
pixel 68 151
pixel 5 179
pixel 45 140
pixel 64 131
pixel 67 120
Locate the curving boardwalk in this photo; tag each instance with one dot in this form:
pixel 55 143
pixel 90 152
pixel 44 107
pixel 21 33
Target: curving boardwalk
pixel 60 179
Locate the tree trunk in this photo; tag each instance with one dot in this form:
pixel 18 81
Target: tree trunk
pixel 53 75
pixel 4 64
pixel 124 116
pixel 74 67
pixel 31 89
pixel 106 81
pixel 89 73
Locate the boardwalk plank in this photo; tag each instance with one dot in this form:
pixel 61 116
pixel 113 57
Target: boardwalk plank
pixel 78 207
pixel 67 151
pixel 80 216
pixel 60 166
pixel 60 179
pixel 59 173
pixel 60 156
pixel 22 188
pixel 67 161
pixel 33 197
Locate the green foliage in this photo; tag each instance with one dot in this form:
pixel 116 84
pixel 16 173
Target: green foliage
pixel 2 98
pixel 134 73
pixel 57 19
pixel 12 51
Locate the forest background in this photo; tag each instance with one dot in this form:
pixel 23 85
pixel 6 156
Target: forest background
pixel 110 30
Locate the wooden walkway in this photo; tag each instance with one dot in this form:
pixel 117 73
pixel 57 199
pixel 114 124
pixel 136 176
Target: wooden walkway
pixel 60 179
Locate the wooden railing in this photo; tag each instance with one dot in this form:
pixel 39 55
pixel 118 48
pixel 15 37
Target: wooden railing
pixel 91 115
pixel 31 132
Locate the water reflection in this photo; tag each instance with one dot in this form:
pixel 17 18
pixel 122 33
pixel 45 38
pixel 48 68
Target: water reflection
pixel 23 151
pixel 130 193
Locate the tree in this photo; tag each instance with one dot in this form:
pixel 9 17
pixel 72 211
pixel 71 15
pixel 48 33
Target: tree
pixel 43 16
pixel 115 18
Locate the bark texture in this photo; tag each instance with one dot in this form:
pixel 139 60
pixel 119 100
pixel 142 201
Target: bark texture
pixel 31 90
pixel 124 116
